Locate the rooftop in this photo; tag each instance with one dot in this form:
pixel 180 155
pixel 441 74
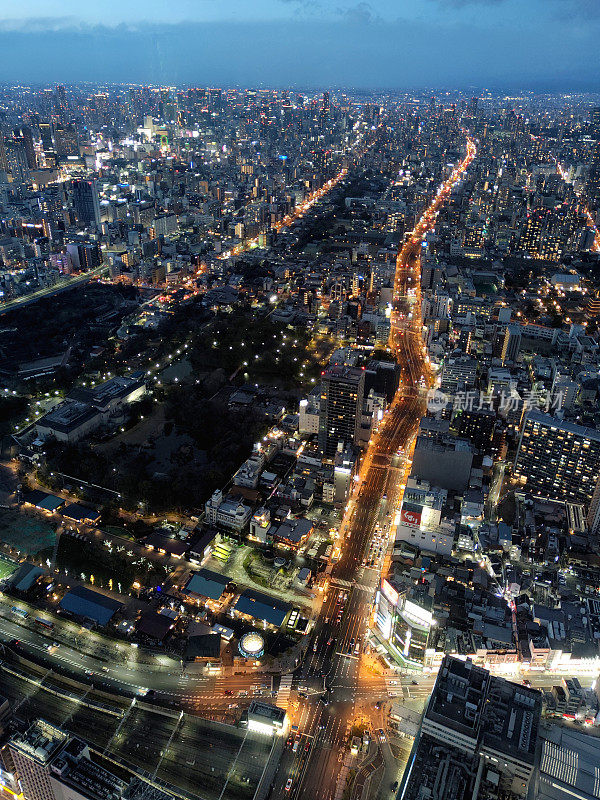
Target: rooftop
pixel 459 695
pixel 563 425
pixel 569 765
pixel 261 606
pixel 84 602
pixel 67 416
pixel 41 741
pixel 114 389
pixel 207 583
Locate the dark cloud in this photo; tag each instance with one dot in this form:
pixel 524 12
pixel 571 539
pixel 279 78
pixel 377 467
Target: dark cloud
pixel 308 53
pixel 564 9
pixel 463 3
pixel 360 14
pixel 579 8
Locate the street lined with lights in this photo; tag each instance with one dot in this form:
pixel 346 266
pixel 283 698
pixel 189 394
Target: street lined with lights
pixel 336 665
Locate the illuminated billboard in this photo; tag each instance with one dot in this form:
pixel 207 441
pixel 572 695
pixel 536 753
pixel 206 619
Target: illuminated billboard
pixel 384 618
pixel 411 514
pixel 417 615
pixel 389 592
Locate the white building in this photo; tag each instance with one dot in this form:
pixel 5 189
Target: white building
pixel 419 521
pixel 229 513
pixel 308 418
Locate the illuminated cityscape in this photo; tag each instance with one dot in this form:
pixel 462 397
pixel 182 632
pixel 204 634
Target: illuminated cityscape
pixel 300 402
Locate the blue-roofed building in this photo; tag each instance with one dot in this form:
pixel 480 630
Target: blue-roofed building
pixel 43 501
pixel 87 604
pixel 206 583
pixel 261 607
pixel 79 513
pixel 23 579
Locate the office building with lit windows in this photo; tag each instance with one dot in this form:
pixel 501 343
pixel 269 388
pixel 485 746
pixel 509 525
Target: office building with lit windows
pixel 403 621
pixel 558 459
pixel 342 392
pixel 86 202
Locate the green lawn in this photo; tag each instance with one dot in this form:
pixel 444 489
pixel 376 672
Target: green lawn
pixel 6 568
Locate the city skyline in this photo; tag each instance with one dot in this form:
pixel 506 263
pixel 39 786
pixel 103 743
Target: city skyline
pixel 300 400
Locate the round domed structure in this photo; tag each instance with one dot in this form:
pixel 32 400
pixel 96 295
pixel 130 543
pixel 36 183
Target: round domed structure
pixel 252 645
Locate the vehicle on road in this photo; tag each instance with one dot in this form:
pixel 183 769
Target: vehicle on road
pixel 44 623
pixel 288 785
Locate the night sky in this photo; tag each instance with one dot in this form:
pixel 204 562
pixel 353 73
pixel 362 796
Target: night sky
pixel 496 44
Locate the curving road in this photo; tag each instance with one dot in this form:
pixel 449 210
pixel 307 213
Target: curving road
pixel 332 669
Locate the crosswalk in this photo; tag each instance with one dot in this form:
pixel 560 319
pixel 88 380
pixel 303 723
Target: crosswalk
pixel 341 584
pixel 283 695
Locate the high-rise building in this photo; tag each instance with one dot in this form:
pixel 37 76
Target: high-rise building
pixel 66 140
pixel 593 517
pixel 477 425
pixel 383 377
pixel 60 102
pixel 558 459
pixel 46 136
pixel 32 753
pixel 404 620
pixel 3 158
pixel 24 136
pixel 86 202
pixel 16 158
pixel 531 235
pixel 512 343
pixel 342 392
pixel 85 256
pixel 478 737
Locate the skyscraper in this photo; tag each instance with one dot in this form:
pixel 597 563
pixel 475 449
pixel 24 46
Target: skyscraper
pixel 60 102
pixel 45 129
pixel 24 136
pixel 512 343
pixel 66 140
pixel 16 158
pixel 596 121
pixel 342 392
pixel 85 202
pixel 558 459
